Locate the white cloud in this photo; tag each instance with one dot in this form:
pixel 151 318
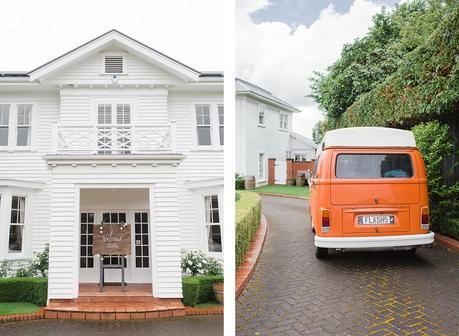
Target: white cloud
pixel 34 32
pixel 271 55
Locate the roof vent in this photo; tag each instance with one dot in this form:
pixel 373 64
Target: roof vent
pixel 114 64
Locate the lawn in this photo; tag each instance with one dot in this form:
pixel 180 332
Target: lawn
pixel 7 308
pixel 284 190
pixel 211 304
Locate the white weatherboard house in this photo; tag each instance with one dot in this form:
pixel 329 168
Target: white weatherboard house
pixel 302 148
pixel 111 131
pixel 264 131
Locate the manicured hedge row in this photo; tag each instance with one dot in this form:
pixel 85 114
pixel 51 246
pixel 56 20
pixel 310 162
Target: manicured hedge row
pixel 248 213
pixel 32 290
pixel 198 289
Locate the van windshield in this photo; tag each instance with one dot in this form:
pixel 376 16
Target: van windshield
pixel 373 166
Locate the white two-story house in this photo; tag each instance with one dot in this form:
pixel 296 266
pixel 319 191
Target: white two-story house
pixel 263 131
pixel 115 132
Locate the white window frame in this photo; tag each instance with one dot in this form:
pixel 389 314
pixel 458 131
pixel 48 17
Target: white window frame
pixel 214 126
pixel 7 124
pixel 261 109
pixel 5 221
pixel 202 210
pixel 13 127
pixel 283 121
pixel 221 125
pixel 263 164
pixel 122 54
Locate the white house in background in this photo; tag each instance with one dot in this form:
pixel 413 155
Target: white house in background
pixel 302 148
pixel 111 131
pixel 264 131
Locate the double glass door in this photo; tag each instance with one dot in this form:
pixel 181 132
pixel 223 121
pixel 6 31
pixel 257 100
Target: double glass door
pixel 137 264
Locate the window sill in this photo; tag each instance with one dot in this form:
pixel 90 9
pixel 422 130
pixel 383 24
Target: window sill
pixel 18 149
pixel 13 257
pixel 113 74
pixel 261 125
pixel 206 149
pixel 283 130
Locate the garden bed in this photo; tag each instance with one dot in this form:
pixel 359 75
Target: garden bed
pixel 282 189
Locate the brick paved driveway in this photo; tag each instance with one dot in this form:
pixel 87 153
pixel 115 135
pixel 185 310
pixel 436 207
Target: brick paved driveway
pixel 370 293
pixel 189 326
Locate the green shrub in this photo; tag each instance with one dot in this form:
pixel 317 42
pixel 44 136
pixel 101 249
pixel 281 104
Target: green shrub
pixel 434 143
pixel 40 263
pixel 239 182
pixel 31 290
pixel 198 263
pixel 198 289
pixel 26 272
pixel 248 213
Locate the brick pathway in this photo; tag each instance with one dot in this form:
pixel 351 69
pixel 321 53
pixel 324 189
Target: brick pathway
pixel 190 326
pixel 370 293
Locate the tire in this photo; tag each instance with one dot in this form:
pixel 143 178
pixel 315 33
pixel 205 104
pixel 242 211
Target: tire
pixel 411 251
pixel 320 252
pixel 313 229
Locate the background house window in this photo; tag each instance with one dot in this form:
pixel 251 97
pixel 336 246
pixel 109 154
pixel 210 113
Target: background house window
pixel 214 238
pixel 86 239
pixel 221 119
pixel 261 114
pixel 114 64
pixel 142 253
pixel 203 125
pixel 16 224
pixel 4 124
pixel 261 166
pixel 24 125
pixel 283 121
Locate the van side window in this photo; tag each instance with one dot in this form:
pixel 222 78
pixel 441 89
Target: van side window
pixel 373 166
pixel 316 163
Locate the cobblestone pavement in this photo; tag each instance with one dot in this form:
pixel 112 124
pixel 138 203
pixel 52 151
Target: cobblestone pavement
pixel 189 326
pixel 351 293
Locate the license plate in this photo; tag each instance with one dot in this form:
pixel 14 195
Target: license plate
pixel 376 219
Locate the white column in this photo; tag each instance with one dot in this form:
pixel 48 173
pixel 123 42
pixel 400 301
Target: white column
pixel 166 269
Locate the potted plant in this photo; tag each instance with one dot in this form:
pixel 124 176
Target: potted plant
pixel 218 291
pixel 214 267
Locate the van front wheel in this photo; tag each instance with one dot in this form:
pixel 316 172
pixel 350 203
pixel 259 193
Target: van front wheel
pixel 321 252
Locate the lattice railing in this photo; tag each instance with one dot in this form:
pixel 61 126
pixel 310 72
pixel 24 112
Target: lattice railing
pixel 113 139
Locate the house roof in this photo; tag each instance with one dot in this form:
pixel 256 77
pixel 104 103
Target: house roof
pixel 154 56
pixel 304 139
pixel 244 87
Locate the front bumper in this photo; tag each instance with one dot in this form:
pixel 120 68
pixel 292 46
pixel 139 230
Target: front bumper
pixel 377 242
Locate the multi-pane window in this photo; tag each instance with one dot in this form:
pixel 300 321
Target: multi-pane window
pixel 104 114
pixel 221 124
pixel 261 166
pixel 114 218
pixel 283 123
pixel 4 123
pixel 142 253
pixel 86 239
pixel 203 125
pixel 123 114
pixel 213 227
pixel 16 224
pixel 24 125
pixel 261 114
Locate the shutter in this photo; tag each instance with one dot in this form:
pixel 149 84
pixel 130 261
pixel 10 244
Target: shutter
pixel 123 114
pixel 114 64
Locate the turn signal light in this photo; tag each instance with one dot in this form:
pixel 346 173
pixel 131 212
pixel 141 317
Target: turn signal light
pixel 425 218
pixel 325 220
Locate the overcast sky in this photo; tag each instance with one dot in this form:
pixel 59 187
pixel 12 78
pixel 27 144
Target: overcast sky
pixel 34 32
pixel 279 43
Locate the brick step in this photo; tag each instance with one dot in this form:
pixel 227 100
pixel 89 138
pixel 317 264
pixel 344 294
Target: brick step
pixel 113 313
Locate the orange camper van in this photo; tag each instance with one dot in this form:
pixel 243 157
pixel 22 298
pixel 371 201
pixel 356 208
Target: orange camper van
pixel 369 190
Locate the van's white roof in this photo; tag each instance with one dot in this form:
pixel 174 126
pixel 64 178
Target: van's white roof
pixel 368 137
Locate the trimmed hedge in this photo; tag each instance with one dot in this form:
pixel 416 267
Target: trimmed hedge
pixel 198 289
pixel 31 290
pixel 248 213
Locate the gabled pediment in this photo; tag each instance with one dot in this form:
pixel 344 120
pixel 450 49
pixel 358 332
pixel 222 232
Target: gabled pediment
pixel 116 42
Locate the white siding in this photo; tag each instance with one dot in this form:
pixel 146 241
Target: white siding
pixel 198 164
pixel 90 69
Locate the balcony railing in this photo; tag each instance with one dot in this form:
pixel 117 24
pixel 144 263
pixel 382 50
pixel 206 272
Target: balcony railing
pixel 113 139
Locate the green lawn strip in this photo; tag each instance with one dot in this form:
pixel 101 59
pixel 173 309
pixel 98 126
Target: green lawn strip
pixel 9 308
pixel 284 190
pixel 210 304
